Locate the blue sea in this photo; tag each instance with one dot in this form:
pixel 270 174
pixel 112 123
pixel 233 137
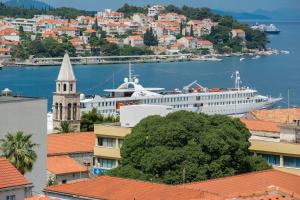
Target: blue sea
pixel 270 75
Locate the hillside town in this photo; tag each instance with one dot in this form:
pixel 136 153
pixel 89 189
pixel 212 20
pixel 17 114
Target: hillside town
pixel 84 154
pixel 64 136
pixel 156 32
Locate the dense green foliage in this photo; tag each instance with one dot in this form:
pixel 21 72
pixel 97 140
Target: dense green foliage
pixel 43 48
pixel 101 46
pixel 19 150
pixel 69 13
pixel 220 36
pixel 193 13
pixel 129 10
pixel 149 38
pixel 184 147
pixel 10 11
pixel 64 127
pixel 93 117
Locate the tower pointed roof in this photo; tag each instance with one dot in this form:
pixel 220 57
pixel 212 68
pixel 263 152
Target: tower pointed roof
pixel 66 72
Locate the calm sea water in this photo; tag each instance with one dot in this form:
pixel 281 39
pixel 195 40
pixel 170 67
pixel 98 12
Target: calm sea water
pixel 270 75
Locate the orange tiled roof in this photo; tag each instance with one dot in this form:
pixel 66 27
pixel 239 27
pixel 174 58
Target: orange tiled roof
pixel 5 42
pixel 62 144
pixel 9 31
pixel 247 184
pixel 189 37
pixel 4 50
pixel 90 31
pixel 205 42
pixel 111 40
pixel 10 176
pixel 135 37
pixel 280 115
pixel 63 165
pixel 258 125
pixel 69 28
pixel 238 30
pixel 113 188
pixel 40 197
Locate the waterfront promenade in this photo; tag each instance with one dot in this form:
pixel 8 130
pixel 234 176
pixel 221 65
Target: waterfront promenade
pixel 90 60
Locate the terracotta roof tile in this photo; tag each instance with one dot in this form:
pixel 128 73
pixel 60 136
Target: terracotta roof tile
pixel 246 184
pixel 10 176
pixel 62 144
pixel 238 30
pixel 259 125
pixel 113 188
pixel 205 42
pixel 281 115
pixel 63 165
pixel 40 197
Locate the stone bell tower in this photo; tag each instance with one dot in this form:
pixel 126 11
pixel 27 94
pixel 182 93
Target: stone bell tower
pixel 66 100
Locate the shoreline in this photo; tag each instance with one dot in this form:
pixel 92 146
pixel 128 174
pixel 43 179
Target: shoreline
pixel 145 59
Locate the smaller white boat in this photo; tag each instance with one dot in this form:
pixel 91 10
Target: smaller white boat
pixel 241 59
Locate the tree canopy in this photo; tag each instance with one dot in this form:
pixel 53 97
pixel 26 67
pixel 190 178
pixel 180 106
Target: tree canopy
pixel 19 150
pixel 11 11
pixel 43 48
pixel 184 147
pixel 129 10
pixel 88 119
pixel 149 38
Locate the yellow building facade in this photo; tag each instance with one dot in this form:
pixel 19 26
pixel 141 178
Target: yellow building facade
pixel 109 140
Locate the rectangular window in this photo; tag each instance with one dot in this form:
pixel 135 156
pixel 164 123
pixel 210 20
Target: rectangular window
pixel 106 142
pixel 107 163
pixel 11 197
pixel 271 159
pixel 291 162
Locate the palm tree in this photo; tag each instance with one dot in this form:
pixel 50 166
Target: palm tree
pixel 65 127
pixel 19 150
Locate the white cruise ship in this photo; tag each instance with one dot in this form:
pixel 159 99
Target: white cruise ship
pixel 194 97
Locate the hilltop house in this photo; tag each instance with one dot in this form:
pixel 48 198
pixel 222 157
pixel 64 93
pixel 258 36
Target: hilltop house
pixel 188 42
pixel 238 33
pixel 134 41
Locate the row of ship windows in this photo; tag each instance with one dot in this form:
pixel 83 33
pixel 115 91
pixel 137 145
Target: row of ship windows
pixel 165 100
pixel 225 96
pixel 232 102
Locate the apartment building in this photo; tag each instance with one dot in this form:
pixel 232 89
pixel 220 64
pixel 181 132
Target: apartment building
pixel 276 137
pixel 109 140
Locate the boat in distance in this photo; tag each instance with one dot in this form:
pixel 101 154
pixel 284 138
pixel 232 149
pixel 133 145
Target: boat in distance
pixel 270 29
pixel 193 97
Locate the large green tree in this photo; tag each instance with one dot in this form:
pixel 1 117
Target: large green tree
pixel 185 147
pixel 19 149
pixel 149 38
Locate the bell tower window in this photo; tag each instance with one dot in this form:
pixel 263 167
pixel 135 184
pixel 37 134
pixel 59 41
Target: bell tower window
pixel 65 87
pixel 69 111
pixel 71 87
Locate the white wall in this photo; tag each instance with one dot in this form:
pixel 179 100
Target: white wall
pixel 29 116
pixel 133 114
pixel 18 192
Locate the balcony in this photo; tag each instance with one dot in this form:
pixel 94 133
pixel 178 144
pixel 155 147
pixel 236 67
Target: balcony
pixel 107 152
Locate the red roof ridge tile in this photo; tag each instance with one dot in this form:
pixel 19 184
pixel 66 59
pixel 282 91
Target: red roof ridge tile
pixel 237 175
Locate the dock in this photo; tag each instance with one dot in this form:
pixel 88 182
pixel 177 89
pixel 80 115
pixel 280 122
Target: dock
pixel 96 60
